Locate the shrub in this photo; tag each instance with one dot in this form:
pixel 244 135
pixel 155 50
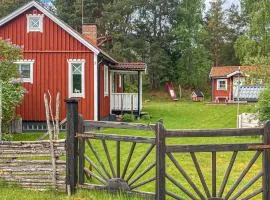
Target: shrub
pixel 263 105
pixel 146 117
pixel 128 118
pixel 12 93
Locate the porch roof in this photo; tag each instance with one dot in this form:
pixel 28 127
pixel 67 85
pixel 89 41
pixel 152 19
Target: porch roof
pixel 139 66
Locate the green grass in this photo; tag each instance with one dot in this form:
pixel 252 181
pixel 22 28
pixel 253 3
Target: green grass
pixel 178 115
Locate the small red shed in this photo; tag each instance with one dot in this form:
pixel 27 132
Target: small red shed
pixel 59 59
pixel 225 81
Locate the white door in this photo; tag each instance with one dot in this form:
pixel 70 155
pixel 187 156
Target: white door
pixel 237 82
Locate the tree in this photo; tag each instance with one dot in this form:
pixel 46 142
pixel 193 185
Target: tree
pixel 12 92
pixel 194 64
pixel 254 45
pixel 217 29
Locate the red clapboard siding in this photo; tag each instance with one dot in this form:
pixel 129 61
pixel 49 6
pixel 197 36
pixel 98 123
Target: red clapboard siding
pixel 222 93
pixel 50 50
pixel 104 100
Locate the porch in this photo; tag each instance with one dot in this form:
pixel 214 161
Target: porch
pixel 123 99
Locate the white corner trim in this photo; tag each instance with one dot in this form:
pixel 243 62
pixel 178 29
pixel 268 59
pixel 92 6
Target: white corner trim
pixel 96 104
pixel 31 62
pixel 70 81
pixel 53 18
pixel 106 81
pixel 40 16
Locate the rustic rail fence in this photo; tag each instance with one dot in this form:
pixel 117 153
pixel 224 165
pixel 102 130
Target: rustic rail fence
pixel 107 173
pixel 29 164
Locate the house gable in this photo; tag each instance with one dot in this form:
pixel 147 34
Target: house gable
pixel 15 26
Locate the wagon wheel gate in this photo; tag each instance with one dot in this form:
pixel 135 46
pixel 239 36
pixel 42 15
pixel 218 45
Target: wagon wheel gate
pixel 116 163
pixel 158 168
pixel 226 171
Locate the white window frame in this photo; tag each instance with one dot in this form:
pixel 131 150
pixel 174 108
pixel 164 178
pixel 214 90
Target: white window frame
pixel 31 62
pixel 32 29
pixel 218 84
pixel 70 78
pixel 106 80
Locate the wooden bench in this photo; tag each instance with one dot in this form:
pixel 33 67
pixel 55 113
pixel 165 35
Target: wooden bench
pixel 217 99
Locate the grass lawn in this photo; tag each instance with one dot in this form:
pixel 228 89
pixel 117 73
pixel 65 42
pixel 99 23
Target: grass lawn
pixel 176 115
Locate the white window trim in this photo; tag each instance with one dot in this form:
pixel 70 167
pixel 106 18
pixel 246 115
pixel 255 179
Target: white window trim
pixel 226 84
pixel 31 62
pixel 70 82
pixel 106 76
pixel 40 16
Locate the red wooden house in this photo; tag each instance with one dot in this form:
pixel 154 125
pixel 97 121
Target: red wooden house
pixel 225 81
pixel 59 59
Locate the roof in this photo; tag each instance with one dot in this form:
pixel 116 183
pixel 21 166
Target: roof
pixel 198 93
pixel 228 71
pixel 88 43
pixel 248 93
pixel 139 66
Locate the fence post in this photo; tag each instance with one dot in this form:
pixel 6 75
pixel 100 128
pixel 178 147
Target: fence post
pixel 160 161
pixel 81 150
pixel 266 162
pixel 71 145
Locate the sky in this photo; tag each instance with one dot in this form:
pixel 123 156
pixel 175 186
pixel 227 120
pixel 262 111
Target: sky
pixel 227 3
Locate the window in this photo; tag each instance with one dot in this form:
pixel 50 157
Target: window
pixel 222 84
pixel 26 70
pixel 35 23
pixel 106 81
pixel 76 78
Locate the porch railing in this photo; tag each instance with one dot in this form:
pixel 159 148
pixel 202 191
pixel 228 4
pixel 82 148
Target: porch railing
pixel 124 101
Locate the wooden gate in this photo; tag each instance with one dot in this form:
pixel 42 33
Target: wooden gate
pixel 104 161
pixel 168 153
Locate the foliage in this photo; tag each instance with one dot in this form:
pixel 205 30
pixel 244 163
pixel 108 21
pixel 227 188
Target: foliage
pixel 190 33
pixel 12 93
pixel 263 105
pixel 128 118
pixel 255 43
pixel 10 5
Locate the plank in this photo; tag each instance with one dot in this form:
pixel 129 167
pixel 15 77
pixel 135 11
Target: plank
pixel 121 125
pixel 215 132
pixel 209 148
pixel 115 137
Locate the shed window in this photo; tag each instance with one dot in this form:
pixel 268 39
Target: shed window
pixel 106 81
pixel 25 68
pixel 222 84
pixel 76 78
pixel 35 23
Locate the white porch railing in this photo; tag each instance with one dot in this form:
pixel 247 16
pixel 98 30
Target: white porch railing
pixel 123 101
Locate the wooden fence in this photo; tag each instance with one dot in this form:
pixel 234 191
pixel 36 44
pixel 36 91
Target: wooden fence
pixel 107 173
pixel 30 164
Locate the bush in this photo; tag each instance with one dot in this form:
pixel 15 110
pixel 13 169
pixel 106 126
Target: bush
pixel 12 93
pixel 128 118
pixel 263 105
pixel 146 117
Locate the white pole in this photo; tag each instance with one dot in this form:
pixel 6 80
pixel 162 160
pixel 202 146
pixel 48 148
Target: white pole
pixel 238 104
pixel 0 110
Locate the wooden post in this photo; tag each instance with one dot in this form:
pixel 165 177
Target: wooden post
pixel 81 150
pixel 266 163
pixel 139 94
pixel 71 145
pixel 160 161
